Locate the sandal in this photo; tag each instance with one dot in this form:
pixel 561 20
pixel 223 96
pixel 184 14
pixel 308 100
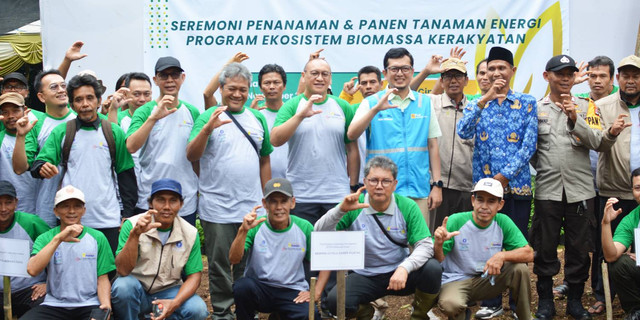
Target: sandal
pixel 597 308
pixel 560 292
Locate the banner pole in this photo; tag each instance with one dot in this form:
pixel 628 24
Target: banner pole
pixel 7 298
pixel 341 294
pixel 312 298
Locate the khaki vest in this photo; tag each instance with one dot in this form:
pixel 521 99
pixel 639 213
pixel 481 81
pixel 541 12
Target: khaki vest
pixel 159 267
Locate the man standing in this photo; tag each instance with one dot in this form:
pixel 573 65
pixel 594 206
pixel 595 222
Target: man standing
pixel 160 130
pixel 77 259
pixel 315 126
pixel 564 189
pixel 154 248
pixel 26 292
pixel 94 157
pixel 600 72
pixel 470 246
pixel 455 153
pixel 391 223
pixel 12 108
pixel 505 126
pixel 273 81
pixel 401 124
pixel 624 272
pixel 234 165
pixel 31 135
pixel 277 245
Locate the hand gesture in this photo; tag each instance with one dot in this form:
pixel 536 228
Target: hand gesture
pixel 493 92
pixel 494 264
pixel 568 107
pixel 254 103
pixel 308 108
pixel 168 307
pixel 119 99
pixel 350 86
pixel 383 103
pixel 238 57
pixel 146 223
pixel 106 104
pixel 164 108
pixel 582 75
pixel 303 296
pixel 609 213
pixel 457 52
pixel 433 65
pixel 619 125
pixel 215 120
pixel 48 170
pixel 38 290
pixel 442 234
pixel 315 55
pixel 250 220
pixel 73 53
pixel 352 202
pixel 70 233
pixel 23 125
pixel 398 279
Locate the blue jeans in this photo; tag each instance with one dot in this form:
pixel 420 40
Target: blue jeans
pixel 129 299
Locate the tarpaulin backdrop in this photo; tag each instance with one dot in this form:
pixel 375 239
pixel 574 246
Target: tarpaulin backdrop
pixel 123 36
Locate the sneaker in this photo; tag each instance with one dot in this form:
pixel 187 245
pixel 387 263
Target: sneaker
pixel 489 312
pixel 378 314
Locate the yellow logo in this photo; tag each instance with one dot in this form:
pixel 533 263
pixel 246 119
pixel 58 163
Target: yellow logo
pixel 486 170
pixel 516 105
pixel 484 136
pixel 513 137
pixel 530 108
pixel 276 185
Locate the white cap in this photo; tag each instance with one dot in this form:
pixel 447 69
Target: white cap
pixel 68 192
pixel 491 186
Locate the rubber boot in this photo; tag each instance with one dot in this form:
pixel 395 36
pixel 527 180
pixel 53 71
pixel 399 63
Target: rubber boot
pixel 546 306
pixel 574 302
pixel 422 303
pixel 365 312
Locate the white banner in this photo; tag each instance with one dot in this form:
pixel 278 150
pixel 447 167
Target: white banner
pixel 204 34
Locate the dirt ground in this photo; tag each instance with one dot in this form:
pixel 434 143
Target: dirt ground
pixel 399 307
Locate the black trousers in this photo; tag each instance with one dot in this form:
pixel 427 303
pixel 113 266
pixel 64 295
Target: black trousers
pixel 579 224
pixel 21 302
pixel 362 289
pixel 58 313
pixel 625 276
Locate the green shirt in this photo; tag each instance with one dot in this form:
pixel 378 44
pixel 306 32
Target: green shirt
pixel 624 232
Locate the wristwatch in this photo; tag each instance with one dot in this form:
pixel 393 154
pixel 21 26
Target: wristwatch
pixel 438 184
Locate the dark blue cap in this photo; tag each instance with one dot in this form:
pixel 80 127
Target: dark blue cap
pixel 166 185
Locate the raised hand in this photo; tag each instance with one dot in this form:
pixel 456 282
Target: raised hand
pixel 610 214
pixel 215 120
pixel 164 108
pixel 254 103
pixel 119 99
pixel 70 233
pixel 315 55
pixel 73 53
pixel 350 86
pixel 442 234
pixel 457 52
pixel 146 223
pixel 433 65
pixel 352 202
pixel 582 75
pixel 238 57
pixel 251 220
pixel 308 108
pixel 383 103
pixel 619 125
pixel 23 125
pixel 568 107
pixel 493 94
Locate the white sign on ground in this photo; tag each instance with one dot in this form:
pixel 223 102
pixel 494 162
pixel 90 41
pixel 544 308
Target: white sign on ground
pixel 14 256
pixel 337 250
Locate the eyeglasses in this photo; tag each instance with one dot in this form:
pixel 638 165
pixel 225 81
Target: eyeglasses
pixel 404 69
pixel 457 76
pixel 14 88
pixel 315 74
pixel 55 86
pixel 374 182
pixel 138 94
pixel 165 75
